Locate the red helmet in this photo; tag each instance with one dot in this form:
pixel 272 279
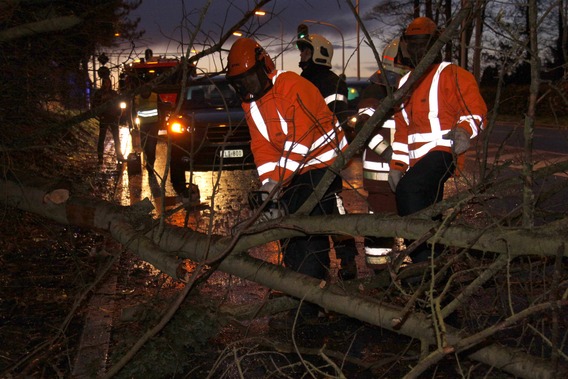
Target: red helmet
pixel 248 68
pixel 246 54
pixel 417 39
pixel 421 25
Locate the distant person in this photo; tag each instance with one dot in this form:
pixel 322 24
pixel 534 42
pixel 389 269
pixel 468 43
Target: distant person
pixel 109 118
pixel 294 140
pixel 146 105
pixel 434 126
pixel 378 151
pixel 316 54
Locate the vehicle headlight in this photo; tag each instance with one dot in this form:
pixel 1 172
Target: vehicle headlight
pixel 176 127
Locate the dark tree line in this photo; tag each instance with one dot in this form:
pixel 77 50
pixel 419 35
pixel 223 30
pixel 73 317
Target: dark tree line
pixel 46 48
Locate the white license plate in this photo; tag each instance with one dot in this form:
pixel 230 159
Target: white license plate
pixel 232 153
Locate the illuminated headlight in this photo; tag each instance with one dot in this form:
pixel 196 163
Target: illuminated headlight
pixel 176 127
pixel 122 105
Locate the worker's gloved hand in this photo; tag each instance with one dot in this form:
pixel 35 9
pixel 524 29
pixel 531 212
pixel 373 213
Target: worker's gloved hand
pixel 460 140
pixel 268 187
pixel 394 178
pixel 272 209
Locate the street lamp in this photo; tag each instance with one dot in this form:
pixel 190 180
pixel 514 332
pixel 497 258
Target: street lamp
pixel 263 13
pixel 342 40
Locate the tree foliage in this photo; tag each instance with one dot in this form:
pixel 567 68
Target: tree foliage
pixel 47 46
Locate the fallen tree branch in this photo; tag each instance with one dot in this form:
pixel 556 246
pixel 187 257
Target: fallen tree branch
pixel 178 243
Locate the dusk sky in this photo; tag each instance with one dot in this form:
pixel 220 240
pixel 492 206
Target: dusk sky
pixel 165 28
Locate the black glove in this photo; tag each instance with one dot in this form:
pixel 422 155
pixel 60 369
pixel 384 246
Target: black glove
pixel 394 178
pixel 460 140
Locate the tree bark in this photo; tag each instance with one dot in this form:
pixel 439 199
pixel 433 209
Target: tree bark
pixel 125 225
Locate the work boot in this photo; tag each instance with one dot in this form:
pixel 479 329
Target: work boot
pixel 377 258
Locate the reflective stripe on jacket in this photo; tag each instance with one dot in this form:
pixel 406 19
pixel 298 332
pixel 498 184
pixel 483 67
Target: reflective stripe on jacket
pixel 375 167
pixel 147 109
pixel 447 97
pixel 292 129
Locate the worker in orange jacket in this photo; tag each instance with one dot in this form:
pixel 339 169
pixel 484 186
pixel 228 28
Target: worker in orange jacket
pixel 434 126
pixel 294 140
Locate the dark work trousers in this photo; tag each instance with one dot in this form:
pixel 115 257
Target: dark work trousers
pixel 345 246
pixel 149 135
pixel 113 127
pixel 421 186
pixel 309 255
pixel 381 200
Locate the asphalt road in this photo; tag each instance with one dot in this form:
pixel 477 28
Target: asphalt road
pixel 227 193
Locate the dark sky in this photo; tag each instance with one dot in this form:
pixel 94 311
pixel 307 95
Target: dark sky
pixel 163 22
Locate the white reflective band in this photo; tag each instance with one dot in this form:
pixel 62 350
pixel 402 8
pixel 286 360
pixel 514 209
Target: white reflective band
pixel 425 137
pixel 398 146
pixel 288 164
pixel 278 72
pixel 367 111
pixel 379 176
pixel 335 97
pixel 258 120
pixel 474 122
pixel 389 124
pixel 340 206
pixel 377 251
pixel 404 115
pixel 296 148
pixel 283 123
pixel 376 166
pixel 375 141
pixel 265 168
pixel 325 157
pixel 148 113
pixel 324 140
pixel 433 101
pixel 424 149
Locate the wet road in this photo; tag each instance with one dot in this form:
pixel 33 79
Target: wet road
pixel 223 200
pixel 223 196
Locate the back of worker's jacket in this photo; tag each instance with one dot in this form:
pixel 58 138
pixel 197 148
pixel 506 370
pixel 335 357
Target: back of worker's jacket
pixel 292 130
pixel 147 108
pixel 447 97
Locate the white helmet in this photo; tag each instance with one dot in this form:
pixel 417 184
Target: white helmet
pixel 392 58
pixel 322 49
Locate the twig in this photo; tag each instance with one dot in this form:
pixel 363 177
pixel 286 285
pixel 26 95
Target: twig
pixel 156 329
pixel 477 338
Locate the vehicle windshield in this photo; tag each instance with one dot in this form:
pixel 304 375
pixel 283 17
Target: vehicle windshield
pixel 211 95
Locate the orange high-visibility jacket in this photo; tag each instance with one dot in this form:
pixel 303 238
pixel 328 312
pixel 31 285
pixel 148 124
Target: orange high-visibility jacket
pixel 292 129
pixel 447 97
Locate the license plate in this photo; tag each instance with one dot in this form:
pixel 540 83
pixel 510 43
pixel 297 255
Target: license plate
pixel 232 153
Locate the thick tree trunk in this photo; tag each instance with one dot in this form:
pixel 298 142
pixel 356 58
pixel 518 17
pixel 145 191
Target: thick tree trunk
pixel 125 223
